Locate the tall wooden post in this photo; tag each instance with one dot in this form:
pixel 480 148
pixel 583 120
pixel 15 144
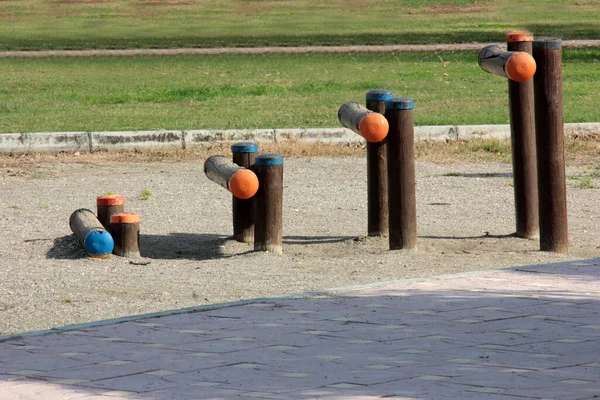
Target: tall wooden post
pixel 520 102
pixel 377 185
pixel 244 154
pixel 402 204
pixel 269 203
pixel 549 135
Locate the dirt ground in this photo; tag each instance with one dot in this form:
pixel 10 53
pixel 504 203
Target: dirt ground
pixel 465 222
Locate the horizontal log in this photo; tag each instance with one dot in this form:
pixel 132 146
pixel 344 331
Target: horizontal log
pixel 370 125
pixel 515 65
pixel 90 233
pixel 241 182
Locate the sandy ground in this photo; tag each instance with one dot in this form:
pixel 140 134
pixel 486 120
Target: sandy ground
pixel 464 223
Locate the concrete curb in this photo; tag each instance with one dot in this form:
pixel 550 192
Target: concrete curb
pixel 177 139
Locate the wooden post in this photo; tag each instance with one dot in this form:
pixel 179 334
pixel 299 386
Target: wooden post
pixel 269 203
pixel 520 103
pixel 241 182
pixel 402 204
pixel 244 154
pixel 377 185
pixel 549 135
pixel 90 233
pixel 108 205
pixel 125 228
pixel 518 66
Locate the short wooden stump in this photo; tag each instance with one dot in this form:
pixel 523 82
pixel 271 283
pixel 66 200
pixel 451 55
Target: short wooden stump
pixel 108 205
pixel 125 229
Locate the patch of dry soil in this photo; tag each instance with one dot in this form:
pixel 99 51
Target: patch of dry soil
pixel 465 222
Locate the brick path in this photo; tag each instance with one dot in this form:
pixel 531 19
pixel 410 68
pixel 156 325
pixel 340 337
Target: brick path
pixel 526 333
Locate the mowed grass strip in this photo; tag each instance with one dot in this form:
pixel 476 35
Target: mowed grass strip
pixel 262 91
pixel 69 24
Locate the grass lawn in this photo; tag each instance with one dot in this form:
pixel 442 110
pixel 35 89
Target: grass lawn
pixel 60 24
pixel 263 91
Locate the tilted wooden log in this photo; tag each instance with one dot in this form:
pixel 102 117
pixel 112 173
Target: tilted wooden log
pixel 370 125
pixel 241 182
pixel 516 65
pixel 96 241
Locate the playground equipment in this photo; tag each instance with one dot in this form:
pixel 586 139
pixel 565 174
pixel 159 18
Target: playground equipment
pixel 244 154
pixel 520 101
pixel 370 125
pixel 518 66
pixel 402 208
pixel 269 203
pixel 377 185
pixel 96 241
pixel 241 182
pixel 549 137
pixel 125 228
pixel 108 205
pixel 535 106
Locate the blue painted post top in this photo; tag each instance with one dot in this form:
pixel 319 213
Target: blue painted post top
pixel 379 95
pixel 98 243
pixel 244 147
pixel 268 160
pixel 399 103
pixel 546 43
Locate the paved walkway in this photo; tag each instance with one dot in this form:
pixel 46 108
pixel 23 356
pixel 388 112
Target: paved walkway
pixel 526 333
pixel 275 50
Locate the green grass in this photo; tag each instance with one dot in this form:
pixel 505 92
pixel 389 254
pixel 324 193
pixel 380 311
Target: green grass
pixel 263 91
pixel 67 24
pixel 145 194
pixel 586 180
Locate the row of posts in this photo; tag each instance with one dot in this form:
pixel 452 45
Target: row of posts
pixel 537 139
pixel 536 116
pixel 256 184
pixel 391 187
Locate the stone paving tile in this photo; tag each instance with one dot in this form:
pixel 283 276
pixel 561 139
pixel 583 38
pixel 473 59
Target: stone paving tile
pixel 188 393
pixel 131 383
pixel 503 335
pixel 37 389
pixel 561 391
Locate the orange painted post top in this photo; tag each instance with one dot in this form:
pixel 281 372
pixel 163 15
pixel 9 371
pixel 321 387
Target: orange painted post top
pixel 519 36
pixel 125 218
pixel 243 184
pixel 110 200
pixel 370 125
pixel 515 65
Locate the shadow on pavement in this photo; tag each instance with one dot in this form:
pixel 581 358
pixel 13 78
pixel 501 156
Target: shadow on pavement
pixel 521 334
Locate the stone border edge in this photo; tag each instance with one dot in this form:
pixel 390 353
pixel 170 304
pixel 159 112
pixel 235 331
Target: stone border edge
pixel 182 139
pixel 293 296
